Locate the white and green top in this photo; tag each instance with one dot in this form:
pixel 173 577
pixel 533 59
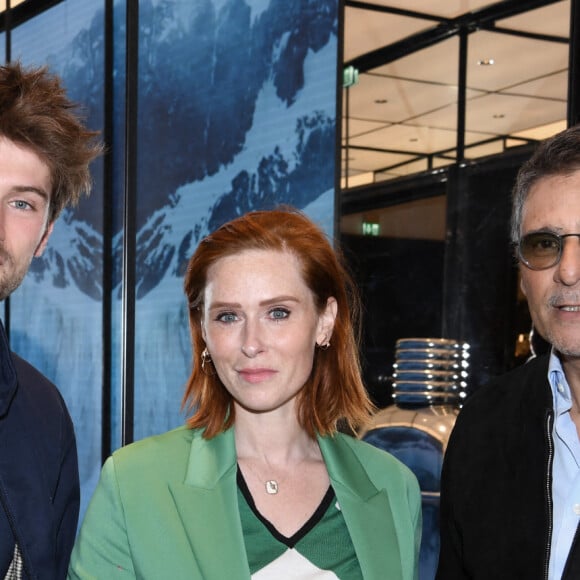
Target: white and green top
pixel 322 549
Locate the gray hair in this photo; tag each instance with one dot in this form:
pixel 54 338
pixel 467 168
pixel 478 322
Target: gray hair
pixel 558 155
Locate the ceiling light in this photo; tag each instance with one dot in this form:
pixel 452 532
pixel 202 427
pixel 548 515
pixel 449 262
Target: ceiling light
pixel 485 62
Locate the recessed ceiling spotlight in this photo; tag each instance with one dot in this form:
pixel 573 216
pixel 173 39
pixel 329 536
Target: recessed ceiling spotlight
pixel 486 62
pixel 381 101
pixel 499 116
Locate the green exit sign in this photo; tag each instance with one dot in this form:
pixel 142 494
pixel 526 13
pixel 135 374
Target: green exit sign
pixel 370 229
pixel 349 77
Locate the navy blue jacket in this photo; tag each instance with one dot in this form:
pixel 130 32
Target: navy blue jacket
pixel 39 481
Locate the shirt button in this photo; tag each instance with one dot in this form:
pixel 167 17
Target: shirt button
pixel 577 509
pixel 560 388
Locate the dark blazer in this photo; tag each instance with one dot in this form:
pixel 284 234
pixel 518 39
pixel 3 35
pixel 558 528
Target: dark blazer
pixel 39 481
pixel 496 481
pixel 166 507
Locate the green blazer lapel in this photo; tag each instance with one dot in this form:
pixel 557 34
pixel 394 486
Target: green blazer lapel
pixel 207 504
pixel 366 509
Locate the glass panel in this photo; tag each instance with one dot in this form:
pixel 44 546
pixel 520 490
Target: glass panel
pixel 56 313
pixel 516 85
pixel 523 97
pixel 402 116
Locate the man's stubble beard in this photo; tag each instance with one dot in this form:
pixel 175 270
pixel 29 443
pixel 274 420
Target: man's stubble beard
pixel 10 276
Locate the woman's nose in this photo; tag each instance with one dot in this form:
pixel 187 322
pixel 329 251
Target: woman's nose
pixel 252 342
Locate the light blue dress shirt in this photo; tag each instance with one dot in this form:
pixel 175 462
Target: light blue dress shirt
pixel 565 471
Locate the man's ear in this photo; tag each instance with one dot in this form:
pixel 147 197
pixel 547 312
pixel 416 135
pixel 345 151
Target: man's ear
pixel 523 286
pixel 44 240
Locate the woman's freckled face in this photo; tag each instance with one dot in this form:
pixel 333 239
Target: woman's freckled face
pixel 261 325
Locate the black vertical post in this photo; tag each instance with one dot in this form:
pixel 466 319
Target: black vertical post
pixel 461 94
pixel 574 65
pixel 8 56
pixel 454 269
pixel 346 135
pixel 129 238
pixel 107 337
pixel 7 31
pixel 339 117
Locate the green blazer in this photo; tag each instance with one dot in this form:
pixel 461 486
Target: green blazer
pixel 166 507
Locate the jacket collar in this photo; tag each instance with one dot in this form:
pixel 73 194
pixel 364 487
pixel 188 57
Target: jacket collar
pixel 8 379
pixel 367 510
pixel 207 504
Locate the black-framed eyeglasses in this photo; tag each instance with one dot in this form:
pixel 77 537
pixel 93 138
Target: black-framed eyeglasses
pixel 541 250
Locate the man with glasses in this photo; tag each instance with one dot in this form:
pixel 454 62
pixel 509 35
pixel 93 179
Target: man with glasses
pixel 510 497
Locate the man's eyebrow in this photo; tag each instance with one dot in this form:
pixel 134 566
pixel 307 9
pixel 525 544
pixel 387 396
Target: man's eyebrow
pixel 31 188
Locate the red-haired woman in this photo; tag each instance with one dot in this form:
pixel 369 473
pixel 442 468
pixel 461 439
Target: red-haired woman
pixel 260 483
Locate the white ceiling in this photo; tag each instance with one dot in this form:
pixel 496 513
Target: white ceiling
pixel 403 111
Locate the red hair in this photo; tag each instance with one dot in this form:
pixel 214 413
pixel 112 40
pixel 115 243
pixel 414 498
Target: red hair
pixel 335 390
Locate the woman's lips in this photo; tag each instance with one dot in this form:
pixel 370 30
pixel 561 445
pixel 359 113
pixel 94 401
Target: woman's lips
pixel 256 375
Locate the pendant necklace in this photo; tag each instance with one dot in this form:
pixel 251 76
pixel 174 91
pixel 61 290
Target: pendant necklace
pixel 272 486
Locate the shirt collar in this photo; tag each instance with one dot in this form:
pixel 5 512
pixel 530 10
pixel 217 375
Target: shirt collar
pixel 559 385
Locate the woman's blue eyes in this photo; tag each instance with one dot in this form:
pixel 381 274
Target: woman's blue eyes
pixel 275 314
pixel 226 317
pixel 279 313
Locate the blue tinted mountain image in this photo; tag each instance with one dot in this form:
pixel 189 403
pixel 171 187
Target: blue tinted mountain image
pixel 230 97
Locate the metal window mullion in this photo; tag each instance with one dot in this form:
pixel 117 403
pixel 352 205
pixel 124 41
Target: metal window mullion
pixel 129 220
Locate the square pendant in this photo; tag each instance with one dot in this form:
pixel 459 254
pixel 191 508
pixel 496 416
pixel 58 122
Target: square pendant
pixel 272 487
